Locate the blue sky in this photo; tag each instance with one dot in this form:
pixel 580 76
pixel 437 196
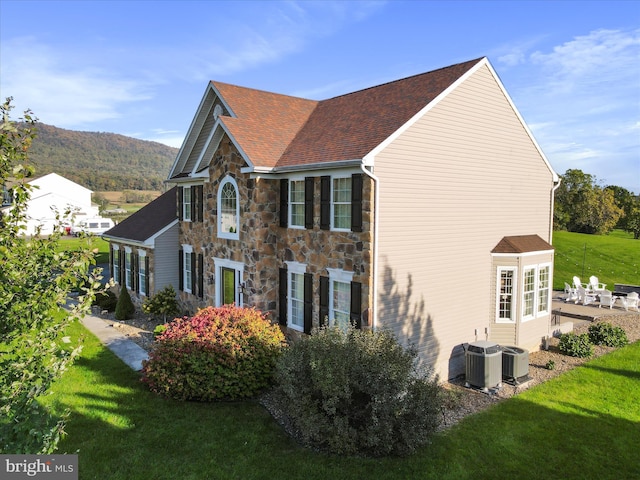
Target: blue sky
pixel 140 68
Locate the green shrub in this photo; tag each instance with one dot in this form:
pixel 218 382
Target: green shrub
pixel 357 393
pixel 159 330
pixel 162 303
pixel 575 345
pixel 124 308
pixel 551 365
pixel 106 300
pixel 608 335
pixel 220 353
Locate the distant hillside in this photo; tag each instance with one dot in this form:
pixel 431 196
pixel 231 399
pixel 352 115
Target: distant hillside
pixel 101 161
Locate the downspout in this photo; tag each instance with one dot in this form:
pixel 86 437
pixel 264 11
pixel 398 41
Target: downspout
pixel 374 263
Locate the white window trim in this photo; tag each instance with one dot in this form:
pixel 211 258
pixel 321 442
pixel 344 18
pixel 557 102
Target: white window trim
pixel 218 265
pixel 186 204
pixel 230 235
pixel 332 224
pixel 341 276
pixel 298 269
pixel 187 250
pixel 127 271
pixel 290 204
pixel 142 282
pixel 514 295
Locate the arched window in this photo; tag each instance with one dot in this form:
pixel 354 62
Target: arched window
pixel 228 209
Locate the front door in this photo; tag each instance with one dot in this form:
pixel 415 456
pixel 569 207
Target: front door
pixel 228 286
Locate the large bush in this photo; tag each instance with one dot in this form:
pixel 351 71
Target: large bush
pixel 219 353
pixel 357 393
pixel 575 345
pixel 162 303
pixel 608 335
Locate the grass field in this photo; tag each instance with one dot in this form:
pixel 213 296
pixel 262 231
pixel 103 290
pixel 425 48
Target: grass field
pixel 613 258
pixel 581 425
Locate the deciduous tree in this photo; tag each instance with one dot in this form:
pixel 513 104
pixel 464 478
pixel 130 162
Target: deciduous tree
pixel 35 282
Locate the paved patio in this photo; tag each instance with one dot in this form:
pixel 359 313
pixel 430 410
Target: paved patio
pixel 589 313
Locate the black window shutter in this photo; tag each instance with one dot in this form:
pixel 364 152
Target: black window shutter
pixel 194 206
pixel 308 202
pixel 200 202
pixel 122 274
pixel 356 202
pixel 308 302
pixel 324 301
pixel 325 202
pixel 180 202
pixel 282 296
pixel 193 273
pixel 356 304
pixel 284 202
pixel 181 269
pixel 200 275
pixel 146 275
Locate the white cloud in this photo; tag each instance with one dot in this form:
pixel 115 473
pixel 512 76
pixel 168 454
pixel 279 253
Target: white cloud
pixel 60 92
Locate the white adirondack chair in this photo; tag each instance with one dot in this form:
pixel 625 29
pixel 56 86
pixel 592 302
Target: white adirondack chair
pixel 570 293
pixel 594 284
pixel 577 283
pixel 631 302
pixel 606 299
pixel 585 297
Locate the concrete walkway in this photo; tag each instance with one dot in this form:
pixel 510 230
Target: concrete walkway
pixel 128 351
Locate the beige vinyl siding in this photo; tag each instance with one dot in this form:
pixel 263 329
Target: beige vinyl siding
pixel 165 268
pixel 452 185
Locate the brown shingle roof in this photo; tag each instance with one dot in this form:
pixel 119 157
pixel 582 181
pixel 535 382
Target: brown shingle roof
pixel 282 131
pixel 521 244
pixel 149 220
pixel 265 122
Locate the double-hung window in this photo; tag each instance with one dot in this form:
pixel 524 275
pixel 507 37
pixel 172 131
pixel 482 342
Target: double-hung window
pixel 544 287
pixel 295 295
pixel 528 292
pixel 115 263
pixel 341 203
pixel 339 297
pixel 186 203
pixel 128 265
pixel 187 268
pixel 297 203
pixel 142 272
pixel 506 294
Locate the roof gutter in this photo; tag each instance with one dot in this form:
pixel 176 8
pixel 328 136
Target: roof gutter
pixel 374 268
pixel 557 181
pixel 357 162
pixel 128 241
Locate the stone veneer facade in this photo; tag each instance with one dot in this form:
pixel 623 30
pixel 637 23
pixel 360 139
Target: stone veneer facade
pixel 264 246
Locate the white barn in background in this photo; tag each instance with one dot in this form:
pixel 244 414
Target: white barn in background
pixel 53 193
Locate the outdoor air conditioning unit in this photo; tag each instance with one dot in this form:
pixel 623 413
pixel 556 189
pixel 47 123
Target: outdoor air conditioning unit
pixel 515 364
pixel 484 365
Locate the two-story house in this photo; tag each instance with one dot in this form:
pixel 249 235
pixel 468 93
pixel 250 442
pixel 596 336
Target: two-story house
pixel 423 205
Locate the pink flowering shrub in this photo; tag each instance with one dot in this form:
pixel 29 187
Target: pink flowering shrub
pixel 220 353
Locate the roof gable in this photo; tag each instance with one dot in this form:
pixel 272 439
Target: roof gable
pixel 522 244
pixel 147 221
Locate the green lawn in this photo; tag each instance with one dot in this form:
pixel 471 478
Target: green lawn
pixel 75 243
pixel 583 424
pixel 613 258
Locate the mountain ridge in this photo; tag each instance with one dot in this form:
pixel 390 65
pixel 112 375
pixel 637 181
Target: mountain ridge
pixel 101 161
